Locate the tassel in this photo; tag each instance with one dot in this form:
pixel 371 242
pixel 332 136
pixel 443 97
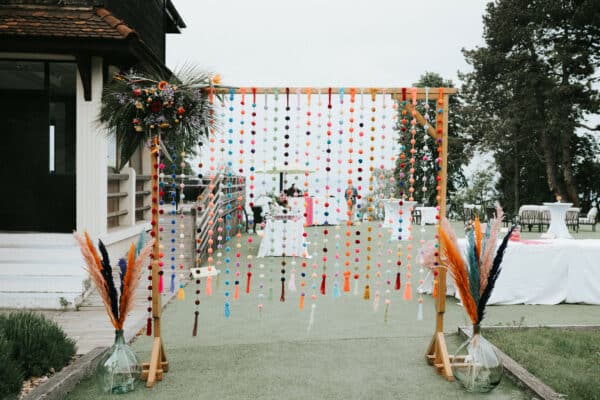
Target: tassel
pixel 376 301
pixel 227 310
pixel 336 290
pixel 420 310
pixel 312 316
pixel 355 287
pixel 292 282
pixel 323 277
pixel 161 288
pixel 208 288
pixel 180 294
pixel 217 283
pixel 236 291
pixel 385 314
pixel 282 297
pixel 249 274
pixel 301 305
pixel 172 288
pixel 195 330
pixel 407 291
pixel 397 286
pixel 346 281
pixel 435 288
pixel 367 293
pixel 271 294
pixel 149 327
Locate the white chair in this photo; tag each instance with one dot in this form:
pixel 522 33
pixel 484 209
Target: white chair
pixel 590 219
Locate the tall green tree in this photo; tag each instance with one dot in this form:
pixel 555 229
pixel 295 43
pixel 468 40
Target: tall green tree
pixel 532 85
pixel 459 149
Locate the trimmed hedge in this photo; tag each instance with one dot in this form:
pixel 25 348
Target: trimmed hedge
pixel 38 344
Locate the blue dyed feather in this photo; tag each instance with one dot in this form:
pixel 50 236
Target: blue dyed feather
pixel 473 266
pixel 123 268
pixel 140 243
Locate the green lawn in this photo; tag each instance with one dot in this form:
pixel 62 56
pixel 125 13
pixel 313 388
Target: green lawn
pixel 566 360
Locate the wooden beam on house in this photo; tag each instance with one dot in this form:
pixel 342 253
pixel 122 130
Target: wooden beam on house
pixel 84 65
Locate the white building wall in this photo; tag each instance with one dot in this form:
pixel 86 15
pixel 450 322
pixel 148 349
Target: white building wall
pixel 91 181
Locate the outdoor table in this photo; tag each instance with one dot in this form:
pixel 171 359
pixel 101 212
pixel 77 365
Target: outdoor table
pixel 398 223
pixel 549 271
pixel 273 243
pixel 558 227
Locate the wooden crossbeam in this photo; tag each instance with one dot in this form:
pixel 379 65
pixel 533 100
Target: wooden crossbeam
pixel 421 92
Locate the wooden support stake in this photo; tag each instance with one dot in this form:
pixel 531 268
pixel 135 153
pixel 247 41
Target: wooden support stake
pixel 153 371
pixel 437 351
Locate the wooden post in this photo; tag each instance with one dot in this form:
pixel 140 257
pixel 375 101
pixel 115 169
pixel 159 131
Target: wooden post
pixel 437 352
pixel 153 370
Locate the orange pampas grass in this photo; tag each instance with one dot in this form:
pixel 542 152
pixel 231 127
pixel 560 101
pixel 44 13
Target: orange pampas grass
pixel 458 269
pixel 131 279
pixel 117 310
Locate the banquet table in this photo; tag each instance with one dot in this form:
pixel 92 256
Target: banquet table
pixel 283 233
pixel 428 215
pixel 548 271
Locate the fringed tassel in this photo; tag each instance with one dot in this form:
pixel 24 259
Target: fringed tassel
pixel 355 287
pixel 367 293
pixel 180 293
pixel 385 314
pixel 292 282
pixel 323 278
pixel 149 327
pixel 282 297
pixel 346 281
pixel 397 285
pixel 236 291
pixel 376 301
pixel 195 330
pixel 249 274
pixel 420 310
pixel 161 288
pixel 301 305
pixel 227 310
pixel 311 320
pixel 407 291
pixel 271 294
pixel 336 290
pixel 172 286
pixel 435 288
pixel 208 288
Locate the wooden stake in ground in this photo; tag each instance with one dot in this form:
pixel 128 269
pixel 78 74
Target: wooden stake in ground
pixel 153 371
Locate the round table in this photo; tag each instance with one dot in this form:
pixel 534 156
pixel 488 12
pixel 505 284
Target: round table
pixel 558 227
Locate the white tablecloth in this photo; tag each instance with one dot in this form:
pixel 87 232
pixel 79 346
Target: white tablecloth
pixel 546 272
pixel 272 243
pixel 428 215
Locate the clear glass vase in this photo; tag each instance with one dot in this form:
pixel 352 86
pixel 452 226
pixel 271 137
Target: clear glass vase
pixel 118 370
pixel 476 365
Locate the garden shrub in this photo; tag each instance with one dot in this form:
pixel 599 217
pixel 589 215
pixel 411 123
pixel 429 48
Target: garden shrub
pixel 38 344
pixel 11 375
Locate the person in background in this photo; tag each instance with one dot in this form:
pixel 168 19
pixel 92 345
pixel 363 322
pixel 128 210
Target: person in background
pixel 350 195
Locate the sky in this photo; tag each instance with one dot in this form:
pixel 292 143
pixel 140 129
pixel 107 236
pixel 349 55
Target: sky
pixel 333 43
pixel 326 43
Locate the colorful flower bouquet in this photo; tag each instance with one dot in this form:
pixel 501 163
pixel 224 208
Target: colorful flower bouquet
pixel 136 107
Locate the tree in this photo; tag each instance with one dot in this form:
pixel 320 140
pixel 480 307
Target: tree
pixel 531 88
pixel 459 149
